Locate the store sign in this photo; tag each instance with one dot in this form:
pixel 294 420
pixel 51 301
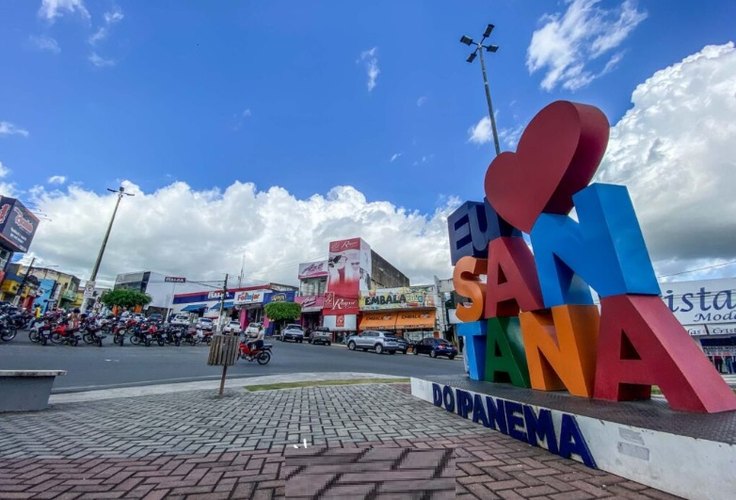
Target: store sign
pixel 340 305
pixel 174 279
pixel 397 298
pixel 17 224
pixel 313 269
pixel 279 297
pixel 253 297
pixel 703 302
pixel 349 272
pixel 311 303
pixel 217 294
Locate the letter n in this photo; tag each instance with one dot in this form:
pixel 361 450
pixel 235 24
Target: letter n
pixel 505 359
pixel 561 348
pixel 642 344
pixel 512 279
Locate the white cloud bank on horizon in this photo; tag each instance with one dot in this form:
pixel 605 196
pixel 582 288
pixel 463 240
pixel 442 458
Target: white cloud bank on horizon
pixel 675 149
pixel 204 234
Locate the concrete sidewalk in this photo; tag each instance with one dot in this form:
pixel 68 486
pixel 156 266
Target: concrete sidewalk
pixel 191 444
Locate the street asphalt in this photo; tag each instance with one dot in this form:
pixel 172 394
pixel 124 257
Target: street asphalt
pixel 90 367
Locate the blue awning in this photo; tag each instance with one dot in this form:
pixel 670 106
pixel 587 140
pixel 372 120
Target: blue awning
pixel 228 305
pixel 194 307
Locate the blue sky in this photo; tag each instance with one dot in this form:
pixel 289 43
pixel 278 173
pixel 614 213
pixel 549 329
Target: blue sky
pixel 280 94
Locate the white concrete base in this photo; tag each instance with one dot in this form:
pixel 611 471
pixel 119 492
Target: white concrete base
pixel 681 465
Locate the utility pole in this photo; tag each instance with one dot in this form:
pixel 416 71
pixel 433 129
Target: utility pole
pixel 25 277
pixel 222 304
pixel 479 50
pixel 91 283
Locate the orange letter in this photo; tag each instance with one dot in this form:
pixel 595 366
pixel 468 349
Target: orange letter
pixel 467 284
pixel 561 348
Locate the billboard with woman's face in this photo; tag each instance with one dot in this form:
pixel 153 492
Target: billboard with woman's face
pixel 348 270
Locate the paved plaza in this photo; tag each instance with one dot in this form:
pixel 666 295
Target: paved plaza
pixel 364 441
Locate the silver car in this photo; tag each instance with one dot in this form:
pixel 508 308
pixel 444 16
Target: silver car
pixel 374 339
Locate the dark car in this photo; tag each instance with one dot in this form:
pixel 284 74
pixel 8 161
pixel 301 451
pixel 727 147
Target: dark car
pixel 435 347
pixel 320 336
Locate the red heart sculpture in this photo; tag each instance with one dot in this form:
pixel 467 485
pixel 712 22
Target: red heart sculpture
pixel 557 155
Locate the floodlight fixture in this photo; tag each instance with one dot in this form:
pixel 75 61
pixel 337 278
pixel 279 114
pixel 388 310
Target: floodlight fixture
pixel 488 30
pixel 466 40
pixel 492 48
pixel 472 56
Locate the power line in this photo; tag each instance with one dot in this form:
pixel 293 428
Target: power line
pixel 723 264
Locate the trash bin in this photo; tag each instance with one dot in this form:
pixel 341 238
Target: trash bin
pixel 223 352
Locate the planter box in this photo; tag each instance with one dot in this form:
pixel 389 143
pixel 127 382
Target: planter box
pixel 26 390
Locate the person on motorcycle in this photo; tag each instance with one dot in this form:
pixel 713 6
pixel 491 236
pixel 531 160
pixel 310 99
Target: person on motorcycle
pixel 256 343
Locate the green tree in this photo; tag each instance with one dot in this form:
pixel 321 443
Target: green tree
pixel 283 311
pixel 125 298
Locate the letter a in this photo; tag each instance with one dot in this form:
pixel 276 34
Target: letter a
pixel 512 279
pixel 641 344
pixel 561 348
pixel 505 359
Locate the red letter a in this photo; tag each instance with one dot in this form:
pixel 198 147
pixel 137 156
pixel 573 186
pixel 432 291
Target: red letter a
pixel 642 344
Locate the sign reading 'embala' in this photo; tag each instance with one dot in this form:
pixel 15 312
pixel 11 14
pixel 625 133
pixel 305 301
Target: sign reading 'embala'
pixel 520 421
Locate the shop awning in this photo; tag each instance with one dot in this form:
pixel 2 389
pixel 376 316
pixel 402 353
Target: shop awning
pixel 228 305
pixel 194 307
pixel 378 320
pixel 415 320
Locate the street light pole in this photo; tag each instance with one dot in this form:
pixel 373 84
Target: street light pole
pixel 121 192
pixel 479 51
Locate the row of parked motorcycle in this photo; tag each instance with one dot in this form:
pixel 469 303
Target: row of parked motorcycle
pixel 56 327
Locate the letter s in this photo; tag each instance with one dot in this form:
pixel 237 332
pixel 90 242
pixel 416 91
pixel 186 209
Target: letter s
pixel 467 284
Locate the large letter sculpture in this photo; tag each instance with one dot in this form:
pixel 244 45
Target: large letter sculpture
pixel 545 300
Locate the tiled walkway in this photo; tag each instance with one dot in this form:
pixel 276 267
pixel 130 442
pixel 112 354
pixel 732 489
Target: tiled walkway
pixel 192 444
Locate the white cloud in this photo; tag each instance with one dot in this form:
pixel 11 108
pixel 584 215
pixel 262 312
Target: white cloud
pixel 7 128
pixel 56 179
pixel 481 132
pixel 567 43
pixel 676 151
pixel 246 113
pixel 51 9
pixel 203 234
pixel 6 188
pixel 111 17
pixel 509 137
pixel 421 101
pixel 369 59
pixel 395 157
pixel 99 61
pixel 423 160
pixel 46 43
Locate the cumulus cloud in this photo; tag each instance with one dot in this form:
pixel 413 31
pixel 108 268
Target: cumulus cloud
pixel 369 58
pixel 481 132
pixel 203 234
pixel 567 43
pixel 45 43
pixel 51 9
pixel 395 157
pixel 56 179
pixel 6 188
pixel 100 61
pixel 7 128
pixel 676 151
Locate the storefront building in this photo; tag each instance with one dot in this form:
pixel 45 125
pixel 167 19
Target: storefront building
pixel 411 312
pixel 17 227
pixel 312 288
pixel 159 287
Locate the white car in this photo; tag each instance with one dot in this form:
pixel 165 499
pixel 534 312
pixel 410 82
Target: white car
pixel 180 319
pixel 205 324
pixel 232 327
pixel 252 330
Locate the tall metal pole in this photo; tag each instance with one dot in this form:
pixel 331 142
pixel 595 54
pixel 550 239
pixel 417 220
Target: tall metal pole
pixel 488 100
pixel 96 268
pixel 222 308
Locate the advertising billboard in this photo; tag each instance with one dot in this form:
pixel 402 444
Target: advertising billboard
pixel 311 303
pixel 17 225
pixel 704 307
pixel 250 297
pixel 412 297
pixel 349 273
pixel 316 269
pixel 279 297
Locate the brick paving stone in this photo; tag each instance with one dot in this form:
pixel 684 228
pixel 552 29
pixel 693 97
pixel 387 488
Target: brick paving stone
pixel 241 447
